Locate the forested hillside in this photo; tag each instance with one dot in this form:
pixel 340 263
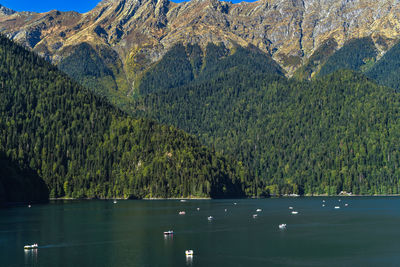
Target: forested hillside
pixel 386 70
pixel 357 54
pixel 189 64
pixel 81 146
pixel 337 133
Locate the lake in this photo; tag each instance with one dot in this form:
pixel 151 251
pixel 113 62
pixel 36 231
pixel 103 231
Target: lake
pixel 366 232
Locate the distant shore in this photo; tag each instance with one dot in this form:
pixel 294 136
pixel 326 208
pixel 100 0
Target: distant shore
pixel 150 198
pixel 208 198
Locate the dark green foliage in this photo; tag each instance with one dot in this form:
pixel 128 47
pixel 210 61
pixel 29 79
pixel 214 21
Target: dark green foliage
pixel 218 60
pixel 357 54
pixel 317 60
pixel 20 185
pixel 320 137
pixel 172 71
pixel 85 65
pixel 83 147
pixel 183 65
pixel 386 70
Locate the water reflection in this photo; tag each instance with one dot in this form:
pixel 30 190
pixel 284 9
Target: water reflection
pixel 168 239
pixel 31 257
pixel 189 260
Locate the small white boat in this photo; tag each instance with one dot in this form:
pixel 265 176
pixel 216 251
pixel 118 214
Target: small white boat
pixel 34 246
pixel 182 213
pixel 29 206
pixel 235 203
pixel 189 253
pixel 198 208
pixel 226 210
pixel 169 232
pixel 323 201
pixel 346 205
pixel 255 216
pixel 295 212
pixel 183 200
pixel 115 201
pixel 282 226
pixel 258 210
pixel 323 205
pixel 340 200
pixel 290 208
pixel 337 207
pixel 210 218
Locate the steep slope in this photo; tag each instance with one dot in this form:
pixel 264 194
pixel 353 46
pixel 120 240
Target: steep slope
pixel 81 146
pixel 357 54
pixel 184 65
pixel 338 133
pixel 386 70
pixel 142 31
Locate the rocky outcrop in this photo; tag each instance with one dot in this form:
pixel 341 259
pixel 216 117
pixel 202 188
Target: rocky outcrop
pixel 141 31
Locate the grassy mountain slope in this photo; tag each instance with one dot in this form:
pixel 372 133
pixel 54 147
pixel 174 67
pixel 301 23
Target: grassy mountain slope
pixel 97 68
pixel 338 133
pixel 81 146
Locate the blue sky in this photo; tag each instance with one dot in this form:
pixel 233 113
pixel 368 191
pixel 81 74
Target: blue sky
pixel 62 5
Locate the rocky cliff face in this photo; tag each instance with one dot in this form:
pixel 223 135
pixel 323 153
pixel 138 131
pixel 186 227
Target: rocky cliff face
pixel 141 31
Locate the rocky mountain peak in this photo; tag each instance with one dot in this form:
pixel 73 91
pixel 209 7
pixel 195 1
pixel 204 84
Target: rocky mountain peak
pixel 6 11
pixel 141 31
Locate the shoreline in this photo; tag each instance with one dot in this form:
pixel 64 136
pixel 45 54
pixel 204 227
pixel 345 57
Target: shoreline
pixel 151 198
pixel 22 203
pixel 209 198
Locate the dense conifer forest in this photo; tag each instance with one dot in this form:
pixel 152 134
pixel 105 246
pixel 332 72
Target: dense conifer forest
pixel 358 55
pixel 83 147
pixel 337 133
pixel 386 70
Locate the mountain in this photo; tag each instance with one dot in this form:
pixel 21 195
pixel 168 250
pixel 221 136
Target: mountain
pixel 186 65
pixel 81 146
pixel 336 133
pixel 4 11
pixel 386 70
pixel 129 36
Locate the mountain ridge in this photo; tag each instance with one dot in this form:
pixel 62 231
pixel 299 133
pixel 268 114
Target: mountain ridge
pixel 141 32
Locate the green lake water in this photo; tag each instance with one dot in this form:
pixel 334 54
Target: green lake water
pixel 130 233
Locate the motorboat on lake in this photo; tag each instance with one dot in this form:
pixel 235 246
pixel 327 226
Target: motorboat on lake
pixel 258 210
pixel 282 226
pixel 337 207
pixel 295 212
pixel 210 218
pixel 255 216
pixel 290 208
pixel 189 253
pixel 34 246
pixel 182 213
pixel 170 232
